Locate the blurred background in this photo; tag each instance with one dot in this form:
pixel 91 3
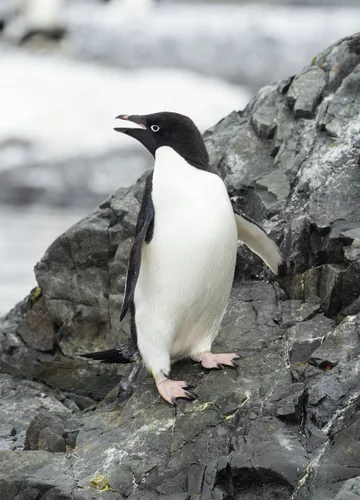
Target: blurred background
pixel 68 67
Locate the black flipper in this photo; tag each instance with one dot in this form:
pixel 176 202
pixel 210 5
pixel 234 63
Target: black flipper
pixel 128 352
pixel 125 353
pixel 143 233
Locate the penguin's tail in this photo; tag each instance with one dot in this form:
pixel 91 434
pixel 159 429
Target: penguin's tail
pixel 125 353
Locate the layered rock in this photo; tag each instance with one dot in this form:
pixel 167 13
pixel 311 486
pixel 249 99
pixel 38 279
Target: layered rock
pixel 284 424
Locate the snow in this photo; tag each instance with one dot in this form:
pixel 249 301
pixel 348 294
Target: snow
pixel 250 44
pixel 65 108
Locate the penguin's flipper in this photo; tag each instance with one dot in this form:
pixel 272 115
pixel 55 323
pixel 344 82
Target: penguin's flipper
pixel 109 356
pixel 259 242
pixel 125 353
pixel 143 234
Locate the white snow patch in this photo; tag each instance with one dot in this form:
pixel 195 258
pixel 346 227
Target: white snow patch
pixel 249 42
pixel 65 108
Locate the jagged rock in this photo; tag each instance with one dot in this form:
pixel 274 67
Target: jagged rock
pixel 304 338
pixel 305 91
pixel 20 400
pixel 45 432
pixel 285 422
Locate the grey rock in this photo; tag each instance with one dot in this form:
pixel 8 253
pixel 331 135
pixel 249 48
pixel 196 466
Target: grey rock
pixel 20 401
pixel 294 311
pixel 350 490
pixel 45 432
pixel 285 422
pixel 277 184
pixel 339 343
pixel 304 338
pixel 305 91
pixel 37 320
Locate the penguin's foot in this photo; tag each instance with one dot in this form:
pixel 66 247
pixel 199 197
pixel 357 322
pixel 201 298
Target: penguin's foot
pixel 210 360
pixel 171 390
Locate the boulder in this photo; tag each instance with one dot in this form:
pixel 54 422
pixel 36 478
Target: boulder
pixel 285 422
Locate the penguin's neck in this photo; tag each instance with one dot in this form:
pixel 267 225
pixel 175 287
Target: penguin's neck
pixel 175 179
pixel 170 164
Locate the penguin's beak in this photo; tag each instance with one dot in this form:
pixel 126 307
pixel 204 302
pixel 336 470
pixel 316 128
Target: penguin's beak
pixel 135 120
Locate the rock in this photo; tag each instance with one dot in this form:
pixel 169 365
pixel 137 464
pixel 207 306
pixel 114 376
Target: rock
pixel 20 401
pixel 294 311
pixel 350 490
pixel 285 422
pixel 250 470
pixel 45 432
pixel 304 338
pixel 305 91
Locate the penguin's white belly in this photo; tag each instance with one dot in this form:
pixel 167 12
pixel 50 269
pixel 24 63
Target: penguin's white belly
pixel 187 269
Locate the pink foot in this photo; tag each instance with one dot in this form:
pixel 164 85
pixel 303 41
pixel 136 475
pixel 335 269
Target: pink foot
pixel 210 360
pixel 170 390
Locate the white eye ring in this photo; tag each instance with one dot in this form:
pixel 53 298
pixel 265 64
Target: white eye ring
pixel 155 128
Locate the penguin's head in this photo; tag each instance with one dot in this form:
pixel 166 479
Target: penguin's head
pixel 168 129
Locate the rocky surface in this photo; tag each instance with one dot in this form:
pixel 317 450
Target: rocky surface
pixel 285 423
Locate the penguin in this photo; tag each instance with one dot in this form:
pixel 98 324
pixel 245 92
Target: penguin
pixel 182 261
pixel 38 17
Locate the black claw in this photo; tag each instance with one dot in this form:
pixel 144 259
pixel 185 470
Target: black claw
pixel 190 386
pixel 191 395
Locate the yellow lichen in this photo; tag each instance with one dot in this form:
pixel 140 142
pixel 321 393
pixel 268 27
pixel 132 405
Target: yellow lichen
pixel 205 406
pixel 33 297
pixel 36 294
pixel 100 483
pixel 232 415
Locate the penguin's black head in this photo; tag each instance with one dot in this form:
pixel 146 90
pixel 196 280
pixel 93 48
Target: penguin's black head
pixel 168 129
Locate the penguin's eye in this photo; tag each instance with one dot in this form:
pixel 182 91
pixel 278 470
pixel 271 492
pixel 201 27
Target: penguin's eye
pixel 155 128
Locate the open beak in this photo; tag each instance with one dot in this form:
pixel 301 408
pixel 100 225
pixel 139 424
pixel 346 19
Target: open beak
pixel 134 119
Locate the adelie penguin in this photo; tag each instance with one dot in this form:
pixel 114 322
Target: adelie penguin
pixel 182 261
